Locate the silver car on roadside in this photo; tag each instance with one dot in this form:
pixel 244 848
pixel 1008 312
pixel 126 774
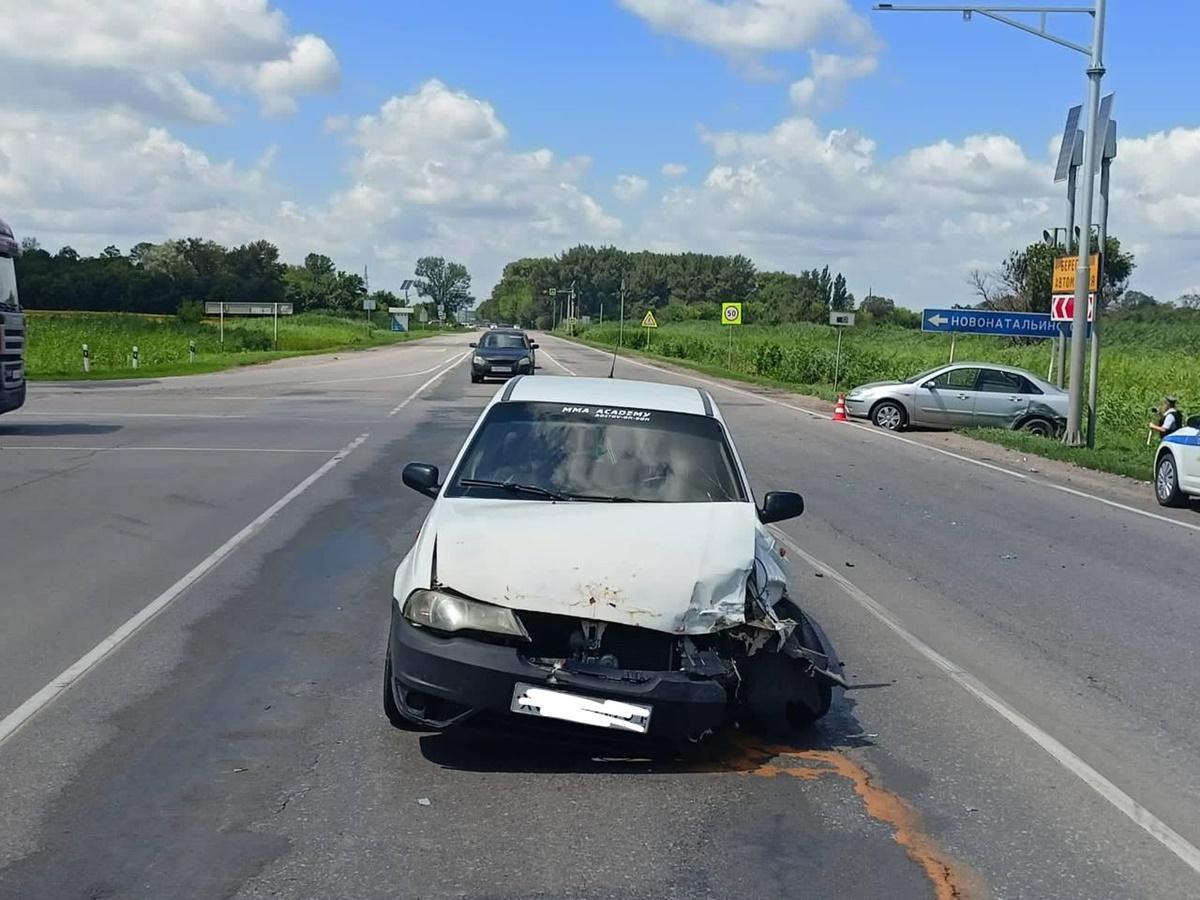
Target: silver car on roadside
pixel 963 395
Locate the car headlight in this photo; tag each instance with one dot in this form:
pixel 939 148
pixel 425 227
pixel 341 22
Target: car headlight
pixel 523 361
pixel 855 395
pixel 450 612
pixel 479 361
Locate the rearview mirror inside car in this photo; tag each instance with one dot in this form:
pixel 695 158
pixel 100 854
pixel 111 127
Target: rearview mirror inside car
pixel 780 505
pixel 422 477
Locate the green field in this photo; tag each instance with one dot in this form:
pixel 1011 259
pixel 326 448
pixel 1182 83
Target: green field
pixel 1141 362
pixel 55 341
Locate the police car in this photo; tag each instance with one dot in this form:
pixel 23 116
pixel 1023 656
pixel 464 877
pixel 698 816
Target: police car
pixel 1177 465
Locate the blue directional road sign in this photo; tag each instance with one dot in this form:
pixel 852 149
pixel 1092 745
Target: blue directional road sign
pixel 981 321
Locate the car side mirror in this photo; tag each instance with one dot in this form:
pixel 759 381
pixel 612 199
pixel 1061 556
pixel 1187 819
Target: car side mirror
pixel 473 344
pixel 929 385
pixel 780 505
pixel 422 478
pixel 533 346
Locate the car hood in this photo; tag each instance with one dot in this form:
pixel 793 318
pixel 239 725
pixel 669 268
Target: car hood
pixel 675 567
pixel 874 384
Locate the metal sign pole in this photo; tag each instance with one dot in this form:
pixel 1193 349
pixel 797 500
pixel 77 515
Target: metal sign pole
pixel 222 324
pixel 275 313
pixel 953 338
pixel 1108 151
pixel 729 357
pixel 837 361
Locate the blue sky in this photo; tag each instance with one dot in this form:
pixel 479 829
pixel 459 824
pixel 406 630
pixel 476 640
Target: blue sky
pixel 934 149
pixel 586 77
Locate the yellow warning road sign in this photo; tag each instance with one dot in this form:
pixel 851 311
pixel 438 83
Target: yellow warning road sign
pixel 1064 274
pixel 648 321
pixel 731 314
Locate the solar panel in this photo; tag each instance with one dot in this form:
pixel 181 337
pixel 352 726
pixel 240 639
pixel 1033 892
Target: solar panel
pixel 1068 144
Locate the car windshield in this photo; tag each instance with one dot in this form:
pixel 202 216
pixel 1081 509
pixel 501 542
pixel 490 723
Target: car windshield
pixel 534 450
pixel 8 284
pixel 921 376
pixel 502 341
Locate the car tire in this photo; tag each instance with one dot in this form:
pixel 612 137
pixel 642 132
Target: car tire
pixel 890 415
pixel 1166 482
pixel 390 708
pixel 1039 427
pixel 475 379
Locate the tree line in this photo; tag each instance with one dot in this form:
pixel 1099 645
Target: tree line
pixel 182 274
pixel 677 286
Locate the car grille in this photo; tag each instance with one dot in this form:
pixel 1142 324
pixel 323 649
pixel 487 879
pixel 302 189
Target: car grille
pixel 14 340
pixel 561 637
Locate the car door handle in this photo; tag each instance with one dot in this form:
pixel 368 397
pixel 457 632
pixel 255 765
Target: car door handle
pixel 1015 399
pixel 963 396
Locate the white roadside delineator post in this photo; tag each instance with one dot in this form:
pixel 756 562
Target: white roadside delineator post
pixel 87 360
pixel 191 351
pixel 135 356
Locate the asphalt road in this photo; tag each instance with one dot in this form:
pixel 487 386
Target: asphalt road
pixel 1025 726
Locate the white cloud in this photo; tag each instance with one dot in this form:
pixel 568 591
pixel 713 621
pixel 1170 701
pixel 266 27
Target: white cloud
pixel 739 27
pixel 674 170
pixel 913 225
pixel 830 72
pixel 154 56
pixel 430 172
pixel 310 67
pixel 629 188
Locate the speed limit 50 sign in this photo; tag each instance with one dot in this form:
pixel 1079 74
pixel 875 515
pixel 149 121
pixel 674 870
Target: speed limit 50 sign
pixel 731 314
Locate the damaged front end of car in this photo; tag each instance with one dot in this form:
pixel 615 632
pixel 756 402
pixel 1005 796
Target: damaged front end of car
pixel 759 663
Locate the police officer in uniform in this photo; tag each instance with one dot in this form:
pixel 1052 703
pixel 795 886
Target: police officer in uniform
pixel 1172 419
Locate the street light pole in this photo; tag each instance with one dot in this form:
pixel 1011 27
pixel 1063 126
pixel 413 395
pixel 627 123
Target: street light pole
pixel 1075 404
pixel 1075 400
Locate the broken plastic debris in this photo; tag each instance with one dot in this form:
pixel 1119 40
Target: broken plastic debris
pixel 1008 556
pixel 424 801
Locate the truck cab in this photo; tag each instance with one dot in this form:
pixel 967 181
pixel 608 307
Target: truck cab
pixel 12 327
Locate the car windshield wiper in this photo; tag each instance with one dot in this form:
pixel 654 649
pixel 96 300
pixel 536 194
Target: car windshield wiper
pixel 514 487
pixel 597 498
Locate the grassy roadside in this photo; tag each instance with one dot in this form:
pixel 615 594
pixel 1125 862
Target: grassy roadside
pixel 55 341
pixel 1116 456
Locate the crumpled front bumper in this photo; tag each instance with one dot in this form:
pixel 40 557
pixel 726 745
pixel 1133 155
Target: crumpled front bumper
pixel 441 681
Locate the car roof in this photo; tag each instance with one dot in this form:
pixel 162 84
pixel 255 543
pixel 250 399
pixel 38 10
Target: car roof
pixel 610 392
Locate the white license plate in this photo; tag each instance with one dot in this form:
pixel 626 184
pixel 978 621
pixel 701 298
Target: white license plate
pixel 538 701
pixel 501 368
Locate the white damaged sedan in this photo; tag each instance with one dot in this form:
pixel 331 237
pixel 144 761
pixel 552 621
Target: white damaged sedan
pixel 595 557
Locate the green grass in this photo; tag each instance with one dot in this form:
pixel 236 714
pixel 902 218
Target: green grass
pixel 54 343
pixel 1141 362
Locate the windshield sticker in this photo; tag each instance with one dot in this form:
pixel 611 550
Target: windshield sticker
pixel 610 412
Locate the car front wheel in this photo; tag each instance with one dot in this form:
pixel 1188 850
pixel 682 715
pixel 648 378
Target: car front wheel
pixel 1166 482
pixel 889 415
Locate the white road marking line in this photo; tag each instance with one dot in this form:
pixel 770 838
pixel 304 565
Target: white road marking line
pixel 555 361
pixel 73 673
pixel 370 378
pixel 164 449
pixel 879 432
pixel 413 396
pixel 1068 759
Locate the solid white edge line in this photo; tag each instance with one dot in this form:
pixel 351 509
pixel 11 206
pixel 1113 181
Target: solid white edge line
pixel 877 432
pixel 413 396
pixel 165 449
pixel 1187 852
pixel 366 378
pixel 127 415
pixel 555 361
pixel 73 673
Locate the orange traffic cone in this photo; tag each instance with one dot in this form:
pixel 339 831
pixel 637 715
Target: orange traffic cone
pixel 839 409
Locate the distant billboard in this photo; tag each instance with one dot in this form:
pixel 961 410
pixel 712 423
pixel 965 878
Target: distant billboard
pixel 213 308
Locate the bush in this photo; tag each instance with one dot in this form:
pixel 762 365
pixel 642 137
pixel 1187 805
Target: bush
pixel 191 312
pixel 245 339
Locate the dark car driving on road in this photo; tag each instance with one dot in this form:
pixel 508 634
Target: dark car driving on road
pixel 502 353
